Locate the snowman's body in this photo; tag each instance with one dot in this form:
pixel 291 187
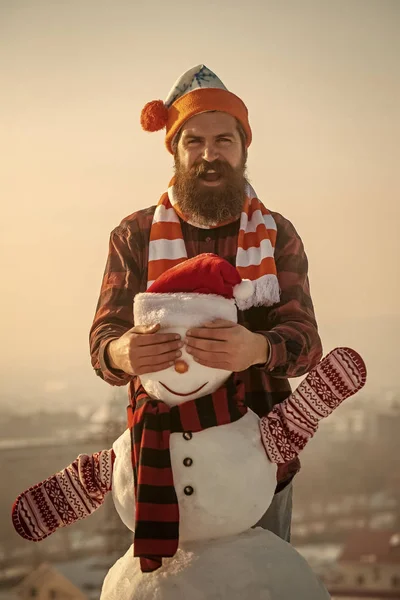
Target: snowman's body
pixel 224 483
pixel 225 489
pixel 232 479
pixel 219 557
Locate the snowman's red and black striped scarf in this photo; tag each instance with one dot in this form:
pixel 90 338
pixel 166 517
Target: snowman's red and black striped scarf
pixel 151 422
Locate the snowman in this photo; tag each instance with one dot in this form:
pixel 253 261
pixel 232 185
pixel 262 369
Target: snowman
pixel 196 469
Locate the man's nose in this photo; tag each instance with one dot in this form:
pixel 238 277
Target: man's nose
pixel 210 153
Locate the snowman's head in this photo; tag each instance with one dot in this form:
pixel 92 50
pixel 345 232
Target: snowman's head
pixel 194 291
pixel 176 313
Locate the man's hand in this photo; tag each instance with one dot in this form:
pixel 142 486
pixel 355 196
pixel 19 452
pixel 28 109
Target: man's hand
pixel 142 350
pixel 226 345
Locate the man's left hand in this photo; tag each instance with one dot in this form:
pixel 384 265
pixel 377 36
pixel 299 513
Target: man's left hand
pixel 222 344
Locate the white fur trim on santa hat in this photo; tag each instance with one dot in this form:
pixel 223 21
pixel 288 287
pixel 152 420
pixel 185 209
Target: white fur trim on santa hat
pixel 181 309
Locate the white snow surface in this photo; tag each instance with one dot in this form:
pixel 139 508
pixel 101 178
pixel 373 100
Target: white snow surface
pixel 255 565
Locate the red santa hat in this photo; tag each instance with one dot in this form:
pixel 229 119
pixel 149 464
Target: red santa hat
pixel 197 290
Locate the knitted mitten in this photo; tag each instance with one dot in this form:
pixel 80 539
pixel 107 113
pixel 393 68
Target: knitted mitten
pixel 68 496
pixel 288 427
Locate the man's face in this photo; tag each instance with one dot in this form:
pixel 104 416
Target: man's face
pixel 210 169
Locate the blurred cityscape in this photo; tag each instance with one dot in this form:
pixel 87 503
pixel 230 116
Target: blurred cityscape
pixel 346 516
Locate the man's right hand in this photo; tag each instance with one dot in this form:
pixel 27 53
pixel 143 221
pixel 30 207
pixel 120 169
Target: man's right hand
pixel 142 350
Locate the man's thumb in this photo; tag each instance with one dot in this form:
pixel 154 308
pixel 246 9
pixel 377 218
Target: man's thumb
pixel 145 329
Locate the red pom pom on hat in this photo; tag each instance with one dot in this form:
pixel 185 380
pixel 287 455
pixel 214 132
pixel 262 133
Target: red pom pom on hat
pixel 154 116
pixel 203 274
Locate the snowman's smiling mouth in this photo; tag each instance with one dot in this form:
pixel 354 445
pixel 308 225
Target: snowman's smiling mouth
pixel 180 394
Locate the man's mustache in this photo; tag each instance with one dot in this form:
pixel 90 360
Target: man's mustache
pixel 220 167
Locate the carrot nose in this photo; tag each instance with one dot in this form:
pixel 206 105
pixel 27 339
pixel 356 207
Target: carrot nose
pixel 181 366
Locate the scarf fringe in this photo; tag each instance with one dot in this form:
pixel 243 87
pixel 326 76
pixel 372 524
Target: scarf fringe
pixel 266 293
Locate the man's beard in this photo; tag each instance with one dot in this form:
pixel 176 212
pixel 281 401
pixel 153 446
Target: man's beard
pixel 207 205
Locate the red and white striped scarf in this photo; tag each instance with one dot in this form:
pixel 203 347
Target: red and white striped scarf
pixel 255 247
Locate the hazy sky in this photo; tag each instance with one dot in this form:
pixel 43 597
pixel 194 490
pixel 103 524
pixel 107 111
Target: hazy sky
pixel 321 80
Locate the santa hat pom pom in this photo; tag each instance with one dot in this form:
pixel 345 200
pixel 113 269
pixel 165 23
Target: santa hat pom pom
pixel 154 116
pixel 244 290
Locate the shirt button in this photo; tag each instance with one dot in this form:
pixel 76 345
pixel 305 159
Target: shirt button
pixel 188 462
pixel 208 240
pixel 187 435
pixel 188 490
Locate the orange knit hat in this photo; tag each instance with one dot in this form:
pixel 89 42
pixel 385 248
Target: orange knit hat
pixel 197 91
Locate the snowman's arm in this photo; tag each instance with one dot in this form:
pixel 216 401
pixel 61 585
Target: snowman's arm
pixel 68 496
pixel 288 427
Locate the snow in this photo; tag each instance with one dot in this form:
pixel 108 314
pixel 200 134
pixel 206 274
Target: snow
pixel 255 564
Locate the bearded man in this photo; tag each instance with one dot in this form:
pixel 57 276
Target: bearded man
pixel 210 207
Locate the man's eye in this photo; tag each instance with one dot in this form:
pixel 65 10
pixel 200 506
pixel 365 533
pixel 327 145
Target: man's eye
pixel 191 142
pixel 224 140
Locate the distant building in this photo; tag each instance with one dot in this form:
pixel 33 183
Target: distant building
pixel 368 567
pixel 364 417
pixel 336 519
pixel 72 580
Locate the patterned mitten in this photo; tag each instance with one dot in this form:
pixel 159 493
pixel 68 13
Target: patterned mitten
pixel 288 427
pixel 68 496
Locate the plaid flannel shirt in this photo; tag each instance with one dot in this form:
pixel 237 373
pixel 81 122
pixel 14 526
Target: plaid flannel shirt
pixel 290 327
